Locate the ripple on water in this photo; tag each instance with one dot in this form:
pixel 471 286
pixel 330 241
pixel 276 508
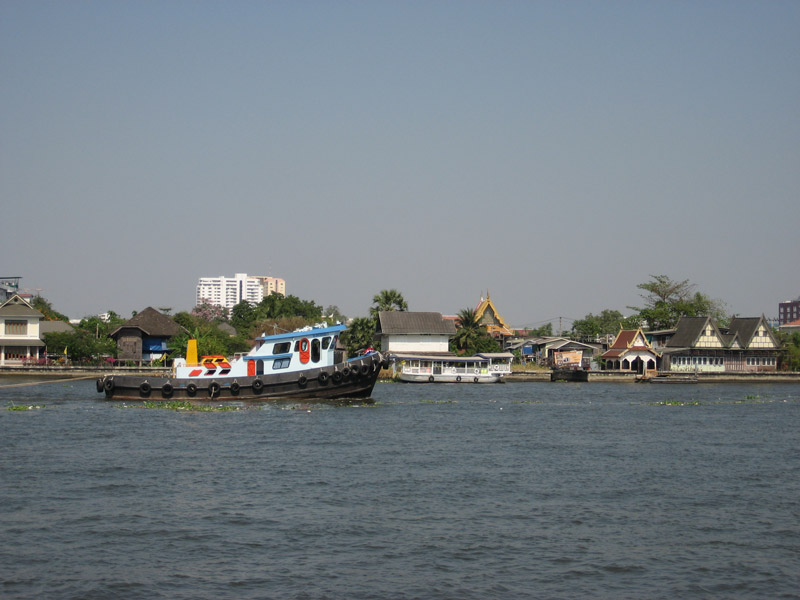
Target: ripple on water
pixel 434 492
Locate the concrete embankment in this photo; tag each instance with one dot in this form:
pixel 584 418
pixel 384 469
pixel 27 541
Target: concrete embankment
pixel 569 375
pixel 70 372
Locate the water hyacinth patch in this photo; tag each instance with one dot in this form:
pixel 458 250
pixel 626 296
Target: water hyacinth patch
pixel 179 405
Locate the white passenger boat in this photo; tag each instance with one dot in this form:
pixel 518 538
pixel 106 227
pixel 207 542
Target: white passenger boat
pixel 303 364
pixel 451 368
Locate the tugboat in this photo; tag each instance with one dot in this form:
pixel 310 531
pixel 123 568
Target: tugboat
pixel 302 364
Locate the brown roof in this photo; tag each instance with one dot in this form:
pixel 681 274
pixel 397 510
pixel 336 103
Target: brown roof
pixel 746 327
pixel 687 332
pixel 152 323
pixel 624 343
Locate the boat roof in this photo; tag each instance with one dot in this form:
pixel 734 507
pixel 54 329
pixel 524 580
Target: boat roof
pixel 449 357
pixel 304 332
pixel 495 354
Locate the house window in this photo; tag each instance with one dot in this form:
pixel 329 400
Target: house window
pixel 16 328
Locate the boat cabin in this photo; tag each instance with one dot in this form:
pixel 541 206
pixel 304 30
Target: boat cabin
pixel 307 348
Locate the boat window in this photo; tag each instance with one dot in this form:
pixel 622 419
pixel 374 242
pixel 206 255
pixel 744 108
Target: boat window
pixel 326 342
pixel 315 351
pixel 281 363
pixel 282 348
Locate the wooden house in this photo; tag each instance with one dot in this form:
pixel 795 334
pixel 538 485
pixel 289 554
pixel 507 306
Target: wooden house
pixel 144 337
pixel 700 346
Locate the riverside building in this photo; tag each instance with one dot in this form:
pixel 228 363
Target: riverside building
pixel 227 292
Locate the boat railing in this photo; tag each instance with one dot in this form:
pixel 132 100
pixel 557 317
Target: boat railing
pixel 474 369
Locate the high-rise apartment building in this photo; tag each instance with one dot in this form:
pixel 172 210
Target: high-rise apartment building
pixel 227 292
pixel 788 311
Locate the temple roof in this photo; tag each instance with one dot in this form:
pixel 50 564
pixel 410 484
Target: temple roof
pixel 486 314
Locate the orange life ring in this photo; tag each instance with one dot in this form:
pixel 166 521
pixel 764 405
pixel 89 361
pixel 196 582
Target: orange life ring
pixel 305 351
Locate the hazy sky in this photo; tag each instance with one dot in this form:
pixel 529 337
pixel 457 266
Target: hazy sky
pixel 555 154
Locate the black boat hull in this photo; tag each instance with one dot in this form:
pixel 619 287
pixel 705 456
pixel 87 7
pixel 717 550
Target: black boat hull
pixel 352 379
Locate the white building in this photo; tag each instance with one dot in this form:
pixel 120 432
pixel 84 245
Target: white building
pixel 19 331
pixel 230 291
pixel 418 332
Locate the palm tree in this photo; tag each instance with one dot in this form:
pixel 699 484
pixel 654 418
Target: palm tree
pixel 387 300
pixel 359 335
pixel 469 329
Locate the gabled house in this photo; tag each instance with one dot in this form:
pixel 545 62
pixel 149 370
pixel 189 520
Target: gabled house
pixel 19 331
pixel 699 345
pixel 630 351
pixel 414 332
pixel 144 337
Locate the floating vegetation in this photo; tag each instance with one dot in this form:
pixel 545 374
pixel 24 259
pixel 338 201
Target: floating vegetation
pixel 189 406
pixel 676 403
pixel 438 401
pixel 25 407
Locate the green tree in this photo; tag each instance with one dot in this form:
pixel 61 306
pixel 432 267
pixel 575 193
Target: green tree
pixel 545 330
pixel 46 308
pixel 333 315
pixel 471 337
pixel 387 300
pixel 210 338
pixel 245 317
pixel 101 327
pixel 666 301
pixel 81 345
pixel 608 322
pixel 789 353
pixel 359 336
pixel 468 329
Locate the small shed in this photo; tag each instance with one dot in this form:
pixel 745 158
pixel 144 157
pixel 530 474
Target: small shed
pixel 144 337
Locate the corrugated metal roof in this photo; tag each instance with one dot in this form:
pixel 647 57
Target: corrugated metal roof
pixel 405 322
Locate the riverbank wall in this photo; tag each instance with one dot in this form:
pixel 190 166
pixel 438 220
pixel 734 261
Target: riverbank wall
pixel 577 376
pixel 59 371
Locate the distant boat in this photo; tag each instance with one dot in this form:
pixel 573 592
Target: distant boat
pixel 674 378
pixel 451 368
pixel 300 364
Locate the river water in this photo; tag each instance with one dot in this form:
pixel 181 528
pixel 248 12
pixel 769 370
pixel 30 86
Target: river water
pixel 522 490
